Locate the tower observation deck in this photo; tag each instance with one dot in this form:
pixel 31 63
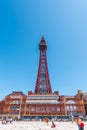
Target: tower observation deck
pixel 43 85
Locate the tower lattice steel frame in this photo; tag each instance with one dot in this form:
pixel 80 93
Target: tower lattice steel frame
pixel 43 85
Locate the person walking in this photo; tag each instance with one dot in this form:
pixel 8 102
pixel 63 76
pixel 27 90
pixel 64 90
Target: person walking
pixel 53 125
pixel 47 120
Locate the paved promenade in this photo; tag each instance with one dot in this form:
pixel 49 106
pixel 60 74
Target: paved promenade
pixel 39 126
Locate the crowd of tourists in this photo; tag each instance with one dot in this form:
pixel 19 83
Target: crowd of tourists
pixel 6 121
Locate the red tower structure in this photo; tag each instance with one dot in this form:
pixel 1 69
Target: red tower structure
pixel 43 102
pixel 43 85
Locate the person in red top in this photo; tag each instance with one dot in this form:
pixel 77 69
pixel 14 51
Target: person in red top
pixel 47 120
pixel 80 124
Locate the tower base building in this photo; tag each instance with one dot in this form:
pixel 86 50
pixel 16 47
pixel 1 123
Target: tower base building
pixel 18 105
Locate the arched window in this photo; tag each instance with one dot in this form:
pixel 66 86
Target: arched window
pixel 15 102
pixel 70 102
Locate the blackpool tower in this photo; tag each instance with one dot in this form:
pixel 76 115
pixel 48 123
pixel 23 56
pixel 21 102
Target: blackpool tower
pixel 43 85
pixel 42 102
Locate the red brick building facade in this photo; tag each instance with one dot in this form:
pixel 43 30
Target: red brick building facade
pixel 19 105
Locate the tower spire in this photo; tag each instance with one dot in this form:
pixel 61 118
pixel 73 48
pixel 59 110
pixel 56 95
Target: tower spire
pixel 43 85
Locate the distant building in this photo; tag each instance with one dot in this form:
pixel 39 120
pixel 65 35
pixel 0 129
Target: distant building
pixel 83 96
pixel 43 101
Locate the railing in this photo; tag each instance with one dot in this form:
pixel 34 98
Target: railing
pixel 42 102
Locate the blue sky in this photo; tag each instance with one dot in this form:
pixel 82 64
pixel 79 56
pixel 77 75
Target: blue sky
pixel 64 26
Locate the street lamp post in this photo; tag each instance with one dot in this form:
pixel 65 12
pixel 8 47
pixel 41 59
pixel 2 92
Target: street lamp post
pixel 71 117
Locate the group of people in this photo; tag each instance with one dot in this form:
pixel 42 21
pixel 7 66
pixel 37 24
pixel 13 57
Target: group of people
pixel 77 120
pixel 53 124
pixel 7 121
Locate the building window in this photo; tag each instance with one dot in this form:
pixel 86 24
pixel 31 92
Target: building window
pixel 70 102
pixel 71 108
pixel 38 109
pixel 53 109
pixel 74 107
pixel 58 109
pixel 15 102
pixel 48 109
pixel 14 107
pixel 33 109
pixel 67 108
pixel 43 109
pixel 27 108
